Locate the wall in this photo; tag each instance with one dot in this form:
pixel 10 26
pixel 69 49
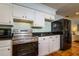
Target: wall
pixel 22 25
pixel 46 28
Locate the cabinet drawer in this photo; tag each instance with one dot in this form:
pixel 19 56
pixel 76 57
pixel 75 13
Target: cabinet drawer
pixel 4 43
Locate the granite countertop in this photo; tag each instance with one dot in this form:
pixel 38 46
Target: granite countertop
pixel 40 34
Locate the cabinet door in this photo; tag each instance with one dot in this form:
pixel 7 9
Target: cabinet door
pixel 47 16
pixel 6 51
pixel 56 42
pixel 51 44
pixel 5 14
pixel 30 14
pixel 43 46
pixel 52 17
pixel 18 12
pixel 39 19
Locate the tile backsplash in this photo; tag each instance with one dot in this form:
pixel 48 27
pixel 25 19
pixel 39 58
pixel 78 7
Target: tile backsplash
pixel 46 28
pixel 20 25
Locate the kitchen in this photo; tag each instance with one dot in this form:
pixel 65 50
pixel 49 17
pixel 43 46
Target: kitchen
pixel 33 30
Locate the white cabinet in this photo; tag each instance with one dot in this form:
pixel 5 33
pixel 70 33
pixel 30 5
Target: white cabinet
pixel 43 46
pixel 18 12
pixel 39 20
pixel 30 14
pixel 5 47
pixel 52 17
pixel 4 43
pixel 51 44
pixel 6 51
pixel 48 44
pixel 56 42
pixel 49 16
pixel 6 14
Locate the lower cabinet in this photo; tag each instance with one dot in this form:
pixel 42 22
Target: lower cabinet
pixel 48 44
pixel 5 47
pixel 5 51
pixel 43 47
pixel 51 44
pixel 54 43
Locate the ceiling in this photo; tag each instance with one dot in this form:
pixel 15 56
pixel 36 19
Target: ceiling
pixel 65 9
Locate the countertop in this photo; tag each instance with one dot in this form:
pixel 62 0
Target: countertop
pixel 40 34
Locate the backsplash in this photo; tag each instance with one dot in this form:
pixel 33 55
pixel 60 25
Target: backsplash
pixel 20 25
pixel 46 28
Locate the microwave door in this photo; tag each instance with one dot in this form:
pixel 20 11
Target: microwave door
pixel 5 33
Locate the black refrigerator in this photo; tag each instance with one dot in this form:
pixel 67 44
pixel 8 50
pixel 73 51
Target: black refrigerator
pixel 62 27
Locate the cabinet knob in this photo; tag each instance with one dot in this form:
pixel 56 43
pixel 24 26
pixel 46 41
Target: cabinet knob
pixel 43 38
pixel 8 49
pixel 23 16
pixel 50 37
pixel 56 36
pixel 52 40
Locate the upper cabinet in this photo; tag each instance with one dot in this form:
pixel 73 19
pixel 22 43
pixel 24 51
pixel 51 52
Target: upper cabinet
pixel 18 12
pixel 39 20
pixel 49 17
pixel 6 14
pixel 30 14
pixel 38 17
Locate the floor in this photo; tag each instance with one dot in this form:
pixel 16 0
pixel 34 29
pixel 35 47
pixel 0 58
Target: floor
pixel 73 51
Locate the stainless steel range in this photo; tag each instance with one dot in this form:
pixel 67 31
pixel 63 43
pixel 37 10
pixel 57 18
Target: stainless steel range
pixel 24 44
pixel 22 36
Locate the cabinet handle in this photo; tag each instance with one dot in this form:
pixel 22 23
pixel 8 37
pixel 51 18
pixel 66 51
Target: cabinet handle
pixel 52 40
pixel 43 38
pixel 50 37
pixel 56 36
pixel 23 16
pixel 8 49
